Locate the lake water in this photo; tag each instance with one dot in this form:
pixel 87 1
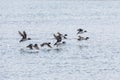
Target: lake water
pixel 95 59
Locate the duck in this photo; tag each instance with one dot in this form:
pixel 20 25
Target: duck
pixel 80 31
pixel 31 46
pixel 47 44
pixel 24 36
pixel 64 36
pixel 82 38
pixel 58 38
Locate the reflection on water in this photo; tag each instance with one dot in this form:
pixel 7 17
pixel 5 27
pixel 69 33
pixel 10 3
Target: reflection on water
pixel 83 46
pixel 22 51
pixel 45 50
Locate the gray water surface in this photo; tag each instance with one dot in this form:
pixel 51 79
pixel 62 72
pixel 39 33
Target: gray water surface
pixel 95 59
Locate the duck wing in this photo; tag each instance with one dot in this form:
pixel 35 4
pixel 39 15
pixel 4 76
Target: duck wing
pixel 42 44
pixel 59 38
pixel 55 36
pixel 21 34
pixel 25 35
pixel 49 45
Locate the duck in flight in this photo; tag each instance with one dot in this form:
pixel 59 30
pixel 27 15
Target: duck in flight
pixel 82 38
pixel 31 46
pixel 24 36
pixel 64 36
pixel 47 44
pixel 80 31
pixel 58 38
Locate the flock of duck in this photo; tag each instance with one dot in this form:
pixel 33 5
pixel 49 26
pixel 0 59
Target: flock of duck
pixel 58 37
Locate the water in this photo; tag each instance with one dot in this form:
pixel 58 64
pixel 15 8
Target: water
pixel 95 59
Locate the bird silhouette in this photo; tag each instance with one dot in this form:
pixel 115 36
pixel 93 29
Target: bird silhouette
pixel 24 36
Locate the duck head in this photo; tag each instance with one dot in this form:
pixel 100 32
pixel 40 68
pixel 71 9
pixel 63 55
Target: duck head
pixel 87 38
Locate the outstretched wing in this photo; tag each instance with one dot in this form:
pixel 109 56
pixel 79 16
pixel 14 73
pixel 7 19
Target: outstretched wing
pixel 21 34
pixel 49 46
pixel 42 44
pixel 55 36
pixel 64 37
pixel 25 35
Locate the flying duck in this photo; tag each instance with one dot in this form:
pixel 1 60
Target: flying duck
pixel 58 38
pixel 24 36
pixel 46 43
pixel 31 46
pixel 80 31
pixel 64 36
pixel 82 38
